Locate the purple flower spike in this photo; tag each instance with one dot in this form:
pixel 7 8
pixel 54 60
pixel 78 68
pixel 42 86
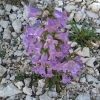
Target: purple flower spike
pixel 33 12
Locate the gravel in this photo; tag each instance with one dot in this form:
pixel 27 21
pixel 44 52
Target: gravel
pixel 13 58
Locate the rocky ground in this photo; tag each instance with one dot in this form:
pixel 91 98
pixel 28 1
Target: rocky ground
pixel 16 78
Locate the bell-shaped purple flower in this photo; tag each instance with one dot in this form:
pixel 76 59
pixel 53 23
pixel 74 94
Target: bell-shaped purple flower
pixel 32 12
pixel 65 79
pixel 51 26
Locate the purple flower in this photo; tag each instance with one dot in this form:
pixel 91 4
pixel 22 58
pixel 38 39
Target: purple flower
pixel 53 54
pixel 35 59
pixel 49 73
pixel 65 49
pixel 63 37
pixel 65 79
pixel 61 18
pixel 57 14
pixel 50 42
pixel 32 12
pixel 34 48
pixel 39 70
pixel 44 58
pixel 51 26
pixel 73 67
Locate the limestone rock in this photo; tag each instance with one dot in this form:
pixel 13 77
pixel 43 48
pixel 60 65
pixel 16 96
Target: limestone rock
pixel 9 91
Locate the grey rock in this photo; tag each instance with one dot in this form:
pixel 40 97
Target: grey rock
pixel 11 98
pixel 95 7
pixel 27 81
pixel 27 90
pixel 9 91
pixel 12 17
pixel 41 83
pixel 83 96
pixel 7 34
pixel 70 8
pixel 4 24
pixel 17 25
pixel 1 12
pixel 82 80
pixel 90 62
pixel 45 97
pixel 2 70
pixel 78 0
pixel 90 78
pixel 91 14
pixel 85 52
pixel 18 53
pixel 19 84
pixel 14 8
pixel 8 7
pixel 30 98
pixel 52 94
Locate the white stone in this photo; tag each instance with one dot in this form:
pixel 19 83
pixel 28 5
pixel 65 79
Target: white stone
pixel 0 61
pixel 30 98
pixel 11 97
pixel 8 7
pixel 60 3
pixel 41 83
pixel 4 24
pixel 19 16
pixel 2 70
pixel 14 8
pixel 90 78
pixel 12 77
pixel 90 62
pixel 19 84
pixel 94 90
pixel 39 91
pixel 90 70
pixel 1 12
pixel 1 29
pixel 12 17
pixel 7 34
pixel 91 14
pixel 52 94
pixel 14 34
pixel 83 96
pixel 78 16
pixel 95 7
pixel 84 60
pixel 58 8
pixel 27 90
pixel 82 80
pixel 25 12
pixel 78 0
pixel 73 44
pixel 69 8
pixel 27 81
pixel 85 52
pixel 71 16
pixel 9 91
pixel 45 97
pixel 17 25
pixel 18 53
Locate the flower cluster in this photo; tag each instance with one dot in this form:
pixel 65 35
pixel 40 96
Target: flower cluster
pixel 46 42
